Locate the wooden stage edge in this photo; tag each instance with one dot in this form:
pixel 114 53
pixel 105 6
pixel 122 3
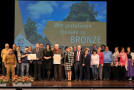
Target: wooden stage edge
pixel 82 84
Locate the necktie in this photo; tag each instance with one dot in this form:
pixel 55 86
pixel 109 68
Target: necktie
pixel 77 55
pixel 37 50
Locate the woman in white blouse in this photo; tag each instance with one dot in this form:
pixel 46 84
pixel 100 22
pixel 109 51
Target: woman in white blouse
pixel 94 64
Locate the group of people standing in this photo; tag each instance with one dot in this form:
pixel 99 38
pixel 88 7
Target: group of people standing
pixel 76 64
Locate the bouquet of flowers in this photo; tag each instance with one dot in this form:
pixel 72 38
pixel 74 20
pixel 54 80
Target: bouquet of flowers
pixel 4 79
pixel 23 79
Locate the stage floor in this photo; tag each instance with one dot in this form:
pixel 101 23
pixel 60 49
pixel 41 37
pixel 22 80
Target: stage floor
pixel 81 84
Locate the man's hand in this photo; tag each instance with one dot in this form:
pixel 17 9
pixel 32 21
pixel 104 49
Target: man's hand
pixel 15 66
pixel 37 58
pixel 5 66
pixel 30 61
pixel 83 64
pixel 102 65
pixel 90 66
pixel 19 61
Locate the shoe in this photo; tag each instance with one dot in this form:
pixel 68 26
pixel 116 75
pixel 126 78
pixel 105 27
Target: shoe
pixel 130 79
pixel 76 80
pixel 104 79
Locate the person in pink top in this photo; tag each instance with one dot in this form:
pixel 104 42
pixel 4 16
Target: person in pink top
pixel 123 64
pixel 101 62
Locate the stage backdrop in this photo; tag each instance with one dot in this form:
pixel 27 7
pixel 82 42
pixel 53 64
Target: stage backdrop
pixel 68 23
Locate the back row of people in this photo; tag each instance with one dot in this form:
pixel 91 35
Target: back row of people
pixel 75 63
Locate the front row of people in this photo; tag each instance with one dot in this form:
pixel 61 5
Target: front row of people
pixel 75 64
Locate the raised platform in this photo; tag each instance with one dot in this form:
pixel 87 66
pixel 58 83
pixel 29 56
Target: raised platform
pixel 82 84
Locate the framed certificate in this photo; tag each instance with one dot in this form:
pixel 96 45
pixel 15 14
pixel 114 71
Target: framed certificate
pixel 31 57
pixel 57 59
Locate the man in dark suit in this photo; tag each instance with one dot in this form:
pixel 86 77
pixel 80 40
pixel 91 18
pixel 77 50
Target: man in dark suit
pixel 37 63
pixel 42 66
pixel 15 53
pixel 78 63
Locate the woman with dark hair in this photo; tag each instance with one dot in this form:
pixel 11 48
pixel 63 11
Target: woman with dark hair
pixel 101 62
pixel 94 64
pixel 103 47
pixel 31 70
pixel 130 71
pixel 48 60
pixel 123 63
pixel 87 59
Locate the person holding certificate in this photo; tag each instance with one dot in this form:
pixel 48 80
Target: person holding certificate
pixel 25 62
pixel 58 55
pixel 37 62
pixel 48 60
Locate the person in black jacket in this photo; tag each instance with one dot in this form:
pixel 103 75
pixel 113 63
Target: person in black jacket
pixel 15 52
pixel 48 60
pixel 37 63
pixel 87 59
pixel 19 52
pixel 78 63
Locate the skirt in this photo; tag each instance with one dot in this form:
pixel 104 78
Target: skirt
pixel 67 66
pixel 130 71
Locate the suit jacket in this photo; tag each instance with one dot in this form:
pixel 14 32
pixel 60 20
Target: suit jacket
pixel 16 54
pixel 87 60
pixel 38 55
pixel 81 57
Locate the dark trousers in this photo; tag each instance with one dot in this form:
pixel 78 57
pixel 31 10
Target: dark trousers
pixel 115 71
pixel 64 76
pixel 58 71
pixel 78 67
pixel 43 71
pixel 73 73
pixel 107 70
pixel 3 69
pixel 31 69
pixel 52 72
pixel 18 69
pixel 122 72
pixel 86 72
pixel 37 71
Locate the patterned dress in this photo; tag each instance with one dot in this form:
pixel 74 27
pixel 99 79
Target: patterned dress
pixel 130 72
pixel 116 55
pixel 68 60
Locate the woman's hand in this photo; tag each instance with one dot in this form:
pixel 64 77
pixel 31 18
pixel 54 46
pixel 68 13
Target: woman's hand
pixel 97 66
pixel 71 65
